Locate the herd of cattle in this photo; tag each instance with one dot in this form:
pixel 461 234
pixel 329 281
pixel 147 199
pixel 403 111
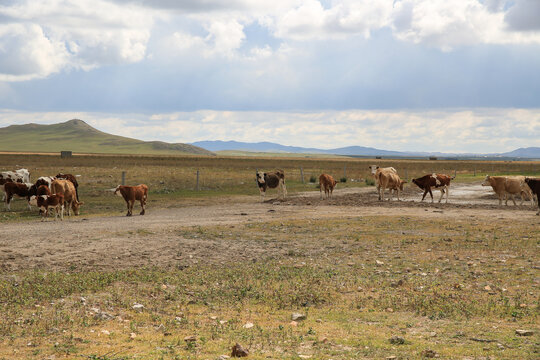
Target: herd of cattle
pixel 61 191
pixel 387 178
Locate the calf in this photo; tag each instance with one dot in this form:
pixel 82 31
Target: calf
pixel 328 183
pixel 34 193
pixel 21 190
pixel 272 181
pixel 56 201
pixel 132 193
pixel 376 171
pixel 438 181
pixel 71 178
pixel 391 181
pixel 509 186
pixel 67 189
pixel 534 185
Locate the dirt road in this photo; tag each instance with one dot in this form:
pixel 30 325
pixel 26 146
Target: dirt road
pixel 156 238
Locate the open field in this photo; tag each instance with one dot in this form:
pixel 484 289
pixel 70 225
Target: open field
pixel 457 278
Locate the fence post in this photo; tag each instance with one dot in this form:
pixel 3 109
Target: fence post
pixel 474 171
pixel 345 171
pixel 406 175
pixel 123 178
pixel 198 188
pixel 302 174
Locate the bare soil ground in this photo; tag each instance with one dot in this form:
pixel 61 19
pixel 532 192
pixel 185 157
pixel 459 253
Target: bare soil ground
pixel 122 242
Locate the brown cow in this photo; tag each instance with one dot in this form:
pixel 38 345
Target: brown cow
pixel 42 190
pixel 438 181
pixel 132 193
pixel 509 186
pixel 21 190
pixel 67 189
pixel 56 201
pixel 391 181
pixel 272 181
pixel 534 185
pixel 71 178
pixel 328 183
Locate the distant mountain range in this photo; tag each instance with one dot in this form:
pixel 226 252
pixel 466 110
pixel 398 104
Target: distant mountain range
pixel 268 147
pixel 77 136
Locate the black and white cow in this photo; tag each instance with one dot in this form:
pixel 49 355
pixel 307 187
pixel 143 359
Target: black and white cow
pixel 272 181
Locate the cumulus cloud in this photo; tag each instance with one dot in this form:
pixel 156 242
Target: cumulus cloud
pixel 467 130
pixel 40 38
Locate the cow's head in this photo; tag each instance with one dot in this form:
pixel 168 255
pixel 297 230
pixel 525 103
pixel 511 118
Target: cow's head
pixel 373 169
pixel 334 183
pixel 401 182
pixel 260 177
pixel 486 181
pixel 117 191
pixel 76 206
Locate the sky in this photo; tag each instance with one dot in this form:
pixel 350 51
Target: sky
pixel 410 75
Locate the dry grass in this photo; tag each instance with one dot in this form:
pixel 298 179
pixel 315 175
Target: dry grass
pixel 438 284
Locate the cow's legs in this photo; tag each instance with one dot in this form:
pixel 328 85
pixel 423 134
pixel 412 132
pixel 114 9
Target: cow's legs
pixel 511 197
pixel 500 199
pixel 430 194
pixel 284 188
pixel 127 204
pixel 262 193
pixel 442 194
pixel 9 198
pixel 320 190
pixel 142 206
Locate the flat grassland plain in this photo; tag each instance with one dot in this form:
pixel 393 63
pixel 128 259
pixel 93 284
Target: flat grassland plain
pixel 206 269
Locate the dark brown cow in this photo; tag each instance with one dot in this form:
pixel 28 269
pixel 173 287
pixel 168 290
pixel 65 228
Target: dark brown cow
pixel 271 181
pixel 56 201
pixel 21 190
pixel 131 194
pixel 438 181
pixel 534 184
pixel 71 178
pixel 327 183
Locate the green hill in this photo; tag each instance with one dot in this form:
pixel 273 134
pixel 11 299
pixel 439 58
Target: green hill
pixel 77 136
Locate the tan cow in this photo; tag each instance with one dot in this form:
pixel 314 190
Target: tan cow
pixel 66 188
pixel 327 183
pixel 376 171
pixel 509 186
pixel 391 181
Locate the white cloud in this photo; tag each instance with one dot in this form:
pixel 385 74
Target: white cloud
pixel 40 38
pixel 450 24
pixel 43 37
pixel 467 130
pixel 26 52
